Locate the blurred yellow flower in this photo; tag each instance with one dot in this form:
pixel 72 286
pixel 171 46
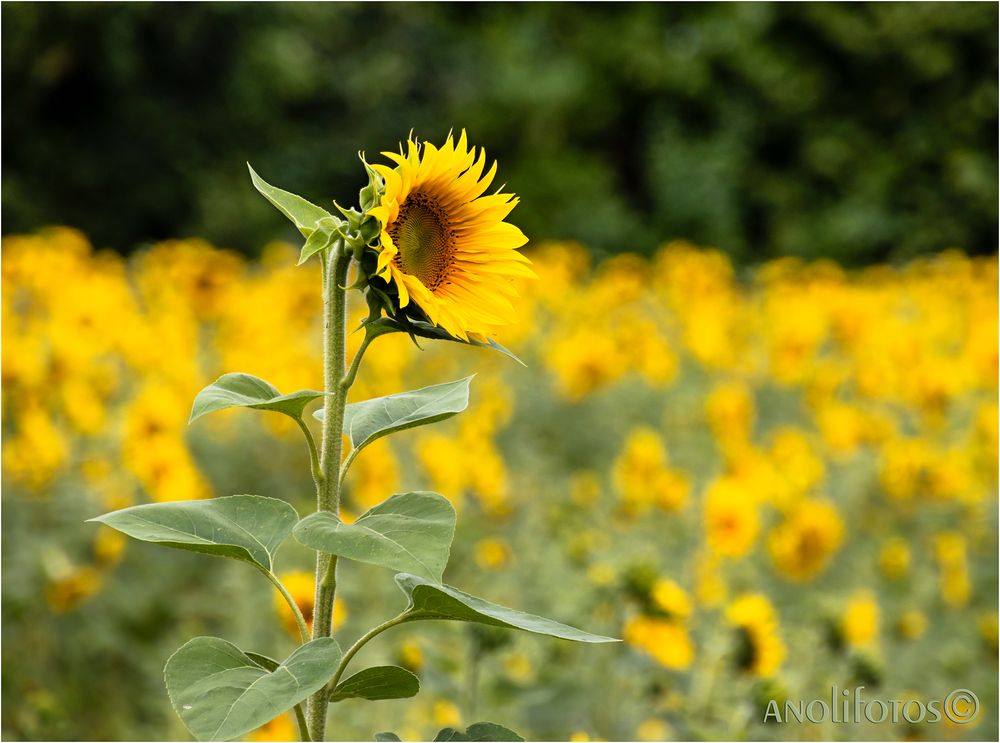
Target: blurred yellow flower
pixel 492 553
pixel 665 640
pixel 894 559
pixel 950 550
pixel 446 714
pixel 643 477
pixel 860 622
pixel 281 728
pixel 302 586
pixel 802 545
pixel 670 598
pixel 912 624
pixel 731 518
pixel 761 650
pixel 729 409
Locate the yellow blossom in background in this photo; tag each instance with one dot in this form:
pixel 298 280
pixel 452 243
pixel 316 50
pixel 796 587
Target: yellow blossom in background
pixel 710 588
pixel 302 586
pixel 665 640
pixel 761 650
pixel 652 729
pixel 373 475
pixel 894 559
pixel 859 624
pixel 643 477
pixel 731 518
pixel 446 714
pixel 281 728
pixel 912 624
pixel 904 468
pixel 729 409
pixel 669 597
pixel 802 545
pixel 410 656
pixel 950 550
pixel 492 554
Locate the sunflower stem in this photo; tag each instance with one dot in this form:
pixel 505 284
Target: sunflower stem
pixel 328 488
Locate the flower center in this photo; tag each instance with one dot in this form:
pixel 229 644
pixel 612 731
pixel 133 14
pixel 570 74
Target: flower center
pixel 424 239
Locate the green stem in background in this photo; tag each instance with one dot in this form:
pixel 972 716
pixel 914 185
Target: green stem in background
pixel 361 642
pixel 328 491
pixel 299 619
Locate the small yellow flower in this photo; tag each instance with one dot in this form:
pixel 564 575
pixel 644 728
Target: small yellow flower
pixel 665 640
pixel 446 714
pixel 731 518
pixel 802 545
pixel 652 729
pixel 894 559
pixel 302 586
pixel 492 554
pixel 859 625
pixel 912 624
pixel 281 728
pixel 671 598
pixel 762 651
pixel 411 656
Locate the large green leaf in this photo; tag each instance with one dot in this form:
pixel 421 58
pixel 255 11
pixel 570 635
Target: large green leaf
pixel 433 601
pixel 423 329
pixel 220 693
pixel 410 533
pixel 305 215
pixel 378 682
pixel 480 731
pixel 386 738
pixel 366 421
pixel 244 527
pixel 247 391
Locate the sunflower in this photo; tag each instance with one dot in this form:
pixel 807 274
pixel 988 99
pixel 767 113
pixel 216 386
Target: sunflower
pixel 442 243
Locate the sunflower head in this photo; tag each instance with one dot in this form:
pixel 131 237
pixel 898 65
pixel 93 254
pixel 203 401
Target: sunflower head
pixel 443 251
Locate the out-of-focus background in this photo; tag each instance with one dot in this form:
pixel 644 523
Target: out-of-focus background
pixel 757 434
pixel 859 133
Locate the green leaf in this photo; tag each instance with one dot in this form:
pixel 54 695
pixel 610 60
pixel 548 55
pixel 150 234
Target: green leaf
pixel 490 731
pixel 426 330
pixel 431 601
pixel 378 682
pixel 449 734
pixel 366 421
pixel 321 238
pixel 303 214
pixel 244 527
pixel 220 693
pixel 247 391
pixel 386 738
pixel 410 532
pixel 480 731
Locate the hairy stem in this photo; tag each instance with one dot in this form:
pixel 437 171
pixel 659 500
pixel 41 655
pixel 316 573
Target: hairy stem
pixel 328 491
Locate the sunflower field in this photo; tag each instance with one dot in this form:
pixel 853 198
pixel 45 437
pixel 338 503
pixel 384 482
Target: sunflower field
pixel 773 483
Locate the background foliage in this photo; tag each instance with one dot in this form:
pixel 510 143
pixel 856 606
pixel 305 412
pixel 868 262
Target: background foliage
pixel 861 132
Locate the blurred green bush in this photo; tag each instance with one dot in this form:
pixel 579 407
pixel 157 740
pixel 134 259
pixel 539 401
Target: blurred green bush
pixel 860 132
